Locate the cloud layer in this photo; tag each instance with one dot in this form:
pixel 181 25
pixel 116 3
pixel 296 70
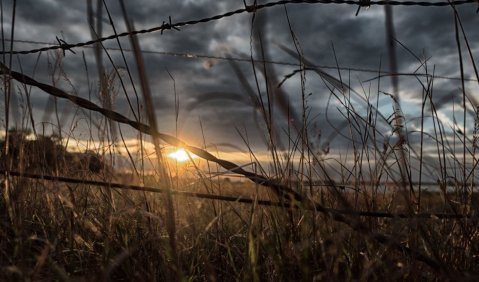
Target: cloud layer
pixel 212 92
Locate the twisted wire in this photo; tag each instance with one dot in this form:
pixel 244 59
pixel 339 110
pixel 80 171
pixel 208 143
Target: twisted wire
pixel 189 55
pixel 248 9
pixel 283 192
pixel 238 199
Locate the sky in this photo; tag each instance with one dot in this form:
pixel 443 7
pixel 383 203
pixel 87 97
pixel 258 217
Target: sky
pixel 205 99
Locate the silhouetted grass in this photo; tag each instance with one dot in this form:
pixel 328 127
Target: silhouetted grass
pixel 363 213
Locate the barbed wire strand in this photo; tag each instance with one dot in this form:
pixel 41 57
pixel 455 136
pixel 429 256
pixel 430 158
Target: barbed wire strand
pixel 283 192
pixel 248 9
pixel 190 55
pixel 238 199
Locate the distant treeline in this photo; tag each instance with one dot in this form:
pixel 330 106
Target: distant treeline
pixel 46 154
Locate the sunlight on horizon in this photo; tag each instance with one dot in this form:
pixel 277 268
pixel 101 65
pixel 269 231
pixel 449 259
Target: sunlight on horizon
pixel 180 155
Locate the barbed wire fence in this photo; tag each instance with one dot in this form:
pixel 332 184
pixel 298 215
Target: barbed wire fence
pixel 244 59
pixel 281 190
pixel 288 195
pixel 62 45
pixel 284 192
pixel 237 199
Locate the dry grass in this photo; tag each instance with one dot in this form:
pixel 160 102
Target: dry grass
pixel 73 231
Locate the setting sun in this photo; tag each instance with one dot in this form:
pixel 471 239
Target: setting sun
pixel 180 155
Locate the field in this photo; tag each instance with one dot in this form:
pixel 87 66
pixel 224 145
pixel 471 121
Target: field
pixel 109 195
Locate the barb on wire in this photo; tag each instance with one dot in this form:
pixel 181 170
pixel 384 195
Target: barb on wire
pixel 62 44
pixel 189 55
pixel 250 8
pixel 168 25
pixel 247 9
pixel 363 3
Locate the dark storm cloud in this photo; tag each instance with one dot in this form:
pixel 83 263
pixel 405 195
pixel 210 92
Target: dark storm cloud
pixel 50 13
pixel 356 39
pixel 358 42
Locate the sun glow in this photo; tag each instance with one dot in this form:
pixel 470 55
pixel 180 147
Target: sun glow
pixel 180 155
